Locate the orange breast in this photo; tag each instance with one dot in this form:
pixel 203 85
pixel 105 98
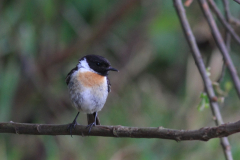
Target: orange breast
pixel 90 79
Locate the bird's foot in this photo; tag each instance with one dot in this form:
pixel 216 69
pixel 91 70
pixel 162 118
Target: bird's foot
pixel 90 126
pixel 72 126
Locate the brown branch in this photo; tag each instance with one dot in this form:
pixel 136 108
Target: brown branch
pixel 202 69
pixel 220 43
pixel 198 60
pixel 226 148
pixel 202 134
pixel 235 21
pixel 227 37
pixel 223 21
pixel 238 1
pixel 224 141
pixel 188 3
pixel 226 10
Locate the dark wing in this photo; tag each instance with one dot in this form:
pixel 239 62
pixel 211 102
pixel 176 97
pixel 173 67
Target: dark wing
pixel 70 73
pixel 109 85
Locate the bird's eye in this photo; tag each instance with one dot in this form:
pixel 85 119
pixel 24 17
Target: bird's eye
pixel 98 64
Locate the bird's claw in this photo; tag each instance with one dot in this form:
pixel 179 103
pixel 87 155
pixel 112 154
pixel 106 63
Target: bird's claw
pixel 90 126
pixel 71 127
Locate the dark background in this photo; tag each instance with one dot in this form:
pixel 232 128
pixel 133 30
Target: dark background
pixel 158 83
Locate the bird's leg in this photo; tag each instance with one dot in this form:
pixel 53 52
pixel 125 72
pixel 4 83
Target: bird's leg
pixel 94 123
pixel 73 124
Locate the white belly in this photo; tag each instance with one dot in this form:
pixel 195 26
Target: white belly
pixel 88 99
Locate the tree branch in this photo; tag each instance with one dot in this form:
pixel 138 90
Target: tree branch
pixel 202 69
pixel 235 21
pixel 227 37
pixel 202 134
pixel 220 43
pixel 238 1
pixel 223 21
pixel 224 141
pixel 198 60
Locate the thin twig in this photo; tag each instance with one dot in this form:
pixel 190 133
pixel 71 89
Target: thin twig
pixel 202 134
pixel 226 10
pixel 227 37
pixel 201 67
pixel 188 3
pixel 238 1
pixel 198 60
pixel 220 78
pixel 223 21
pixel 235 21
pixel 226 148
pixel 220 43
pixel 224 141
pixel 227 59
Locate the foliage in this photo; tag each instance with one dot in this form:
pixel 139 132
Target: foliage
pixel 158 83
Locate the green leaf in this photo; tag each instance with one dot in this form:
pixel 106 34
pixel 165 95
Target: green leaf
pixel 204 103
pixel 208 69
pixel 228 86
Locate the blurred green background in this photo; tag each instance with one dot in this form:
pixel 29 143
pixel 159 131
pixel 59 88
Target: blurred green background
pixel 158 83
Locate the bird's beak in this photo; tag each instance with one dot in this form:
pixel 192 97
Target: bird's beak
pixel 112 69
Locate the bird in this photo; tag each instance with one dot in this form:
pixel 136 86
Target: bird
pixel 88 86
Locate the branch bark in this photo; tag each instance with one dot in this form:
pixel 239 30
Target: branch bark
pixel 202 69
pixel 238 1
pixel 220 43
pixel 224 141
pixel 198 60
pixel 227 36
pixel 224 22
pixel 202 134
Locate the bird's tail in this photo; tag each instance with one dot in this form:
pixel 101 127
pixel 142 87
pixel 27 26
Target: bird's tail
pixel 91 119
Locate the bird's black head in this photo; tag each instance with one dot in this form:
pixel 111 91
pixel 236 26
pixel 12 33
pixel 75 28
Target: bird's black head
pixel 99 64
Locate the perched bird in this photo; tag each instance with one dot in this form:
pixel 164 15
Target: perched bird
pixel 88 86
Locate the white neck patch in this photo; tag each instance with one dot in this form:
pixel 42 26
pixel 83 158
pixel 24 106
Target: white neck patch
pixel 83 65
